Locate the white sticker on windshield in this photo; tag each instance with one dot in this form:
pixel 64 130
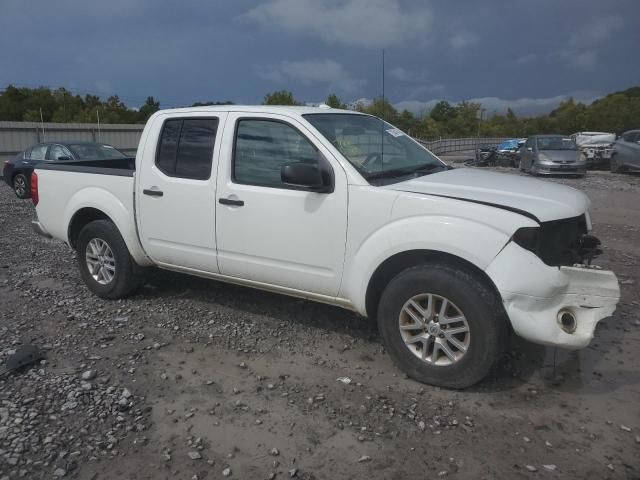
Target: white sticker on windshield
pixel 395 132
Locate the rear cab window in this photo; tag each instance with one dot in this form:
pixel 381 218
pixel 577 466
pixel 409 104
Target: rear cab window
pixel 185 147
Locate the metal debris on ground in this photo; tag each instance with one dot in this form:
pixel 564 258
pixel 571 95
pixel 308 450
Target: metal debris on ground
pixel 23 356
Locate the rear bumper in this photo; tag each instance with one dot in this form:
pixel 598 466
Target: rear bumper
pixel 39 228
pixel 536 297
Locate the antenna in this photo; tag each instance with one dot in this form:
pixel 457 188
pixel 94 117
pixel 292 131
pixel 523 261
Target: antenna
pixel 383 116
pixel 383 104
pixel 44 137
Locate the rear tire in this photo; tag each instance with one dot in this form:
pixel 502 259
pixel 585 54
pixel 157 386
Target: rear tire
pixel 105 264
pixel 21 186
pixel 411 339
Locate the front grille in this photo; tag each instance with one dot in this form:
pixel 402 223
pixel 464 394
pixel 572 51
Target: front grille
pixel 560 242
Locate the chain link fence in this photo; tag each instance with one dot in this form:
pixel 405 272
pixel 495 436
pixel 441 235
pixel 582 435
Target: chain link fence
pixel 442 146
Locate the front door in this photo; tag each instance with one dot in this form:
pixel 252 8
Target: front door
pixel 176 190
pixel 271 232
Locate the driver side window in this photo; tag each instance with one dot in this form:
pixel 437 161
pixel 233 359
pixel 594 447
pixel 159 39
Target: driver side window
pixel 262 147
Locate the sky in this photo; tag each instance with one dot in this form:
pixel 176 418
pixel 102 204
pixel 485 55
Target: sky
pixel 524 54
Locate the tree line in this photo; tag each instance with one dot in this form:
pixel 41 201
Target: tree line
pixel 616 112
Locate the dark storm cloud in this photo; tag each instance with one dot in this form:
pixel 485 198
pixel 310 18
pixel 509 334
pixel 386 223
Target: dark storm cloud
pixel 524 54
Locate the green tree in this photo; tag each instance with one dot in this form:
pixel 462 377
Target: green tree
pixel 280 97
pixel 150 107
pixel 443 112
pixel 334 101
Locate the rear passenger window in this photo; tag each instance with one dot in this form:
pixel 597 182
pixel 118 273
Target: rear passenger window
pixel 186 147
pixel 38 152
pixel 263 146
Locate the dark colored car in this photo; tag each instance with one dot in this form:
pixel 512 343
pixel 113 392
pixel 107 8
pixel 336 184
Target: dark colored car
pixel 17 172
pixel 626 152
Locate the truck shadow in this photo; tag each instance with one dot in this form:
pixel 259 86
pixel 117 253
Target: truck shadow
pixel 166 285
pixel 523 364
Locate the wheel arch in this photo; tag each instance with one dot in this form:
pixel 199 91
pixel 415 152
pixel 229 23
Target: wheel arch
pixel 91 204
pixel 399 262
pixel 80 219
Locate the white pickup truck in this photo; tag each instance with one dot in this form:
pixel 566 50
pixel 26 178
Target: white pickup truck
pixel 342 208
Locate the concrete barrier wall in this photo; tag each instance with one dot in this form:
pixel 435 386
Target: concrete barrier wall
pixel 17 136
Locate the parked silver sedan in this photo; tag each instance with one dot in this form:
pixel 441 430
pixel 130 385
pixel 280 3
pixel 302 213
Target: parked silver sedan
pixel 552 155
pixel 626 152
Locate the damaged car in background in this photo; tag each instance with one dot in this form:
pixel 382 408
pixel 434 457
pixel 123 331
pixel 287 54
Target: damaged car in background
pixel 343 208
pixel 506 154
pixel 596 147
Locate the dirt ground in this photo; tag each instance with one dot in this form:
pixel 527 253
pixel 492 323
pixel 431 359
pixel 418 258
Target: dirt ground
pixel 194 379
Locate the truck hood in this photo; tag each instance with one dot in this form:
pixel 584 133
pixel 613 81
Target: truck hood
pixel 541 200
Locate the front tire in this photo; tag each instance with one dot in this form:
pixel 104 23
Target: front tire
pixel 441 325
pixel 21 186
pixel 105 264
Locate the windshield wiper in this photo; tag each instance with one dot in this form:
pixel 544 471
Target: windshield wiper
pixel 397 172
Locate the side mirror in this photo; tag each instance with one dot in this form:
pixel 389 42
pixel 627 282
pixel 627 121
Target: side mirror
pixel 302 174
pixel 529 149
pixel 63 157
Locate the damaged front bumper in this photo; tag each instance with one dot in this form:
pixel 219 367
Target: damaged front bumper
pixel 558 306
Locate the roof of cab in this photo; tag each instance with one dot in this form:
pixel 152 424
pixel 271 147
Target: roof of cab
pixel 281 109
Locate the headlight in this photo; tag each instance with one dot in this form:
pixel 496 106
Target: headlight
pixel 543 157
pixel 527 238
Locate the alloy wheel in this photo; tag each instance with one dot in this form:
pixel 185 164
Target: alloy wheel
pixel 100 261
pixel 434 329
pixel 20 185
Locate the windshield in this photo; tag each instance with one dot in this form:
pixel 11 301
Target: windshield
pixel 377 149
pixel 556 143
pixel 95 151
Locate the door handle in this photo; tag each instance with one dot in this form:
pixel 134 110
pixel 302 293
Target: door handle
pixel 231 201
pixel 153 193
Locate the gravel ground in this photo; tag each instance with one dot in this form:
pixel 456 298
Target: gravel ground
pixel 195 379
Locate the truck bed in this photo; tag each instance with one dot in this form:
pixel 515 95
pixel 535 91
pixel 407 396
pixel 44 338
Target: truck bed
pixel 104 185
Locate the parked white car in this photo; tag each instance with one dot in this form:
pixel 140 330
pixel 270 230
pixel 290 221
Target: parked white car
pixel 597 147
pixel 342 208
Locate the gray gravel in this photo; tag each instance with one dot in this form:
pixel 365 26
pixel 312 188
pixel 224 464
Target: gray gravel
pixel 195 379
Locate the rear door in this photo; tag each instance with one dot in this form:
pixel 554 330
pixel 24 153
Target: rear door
pixel 176 190
pixel 271 232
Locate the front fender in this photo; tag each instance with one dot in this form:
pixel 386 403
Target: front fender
pixel 472 241
pixel 121 215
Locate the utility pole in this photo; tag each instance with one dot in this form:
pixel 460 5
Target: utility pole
pixel 44 137
pixel 98 115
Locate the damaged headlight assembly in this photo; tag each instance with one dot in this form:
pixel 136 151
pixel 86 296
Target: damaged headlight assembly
pixel 560 242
